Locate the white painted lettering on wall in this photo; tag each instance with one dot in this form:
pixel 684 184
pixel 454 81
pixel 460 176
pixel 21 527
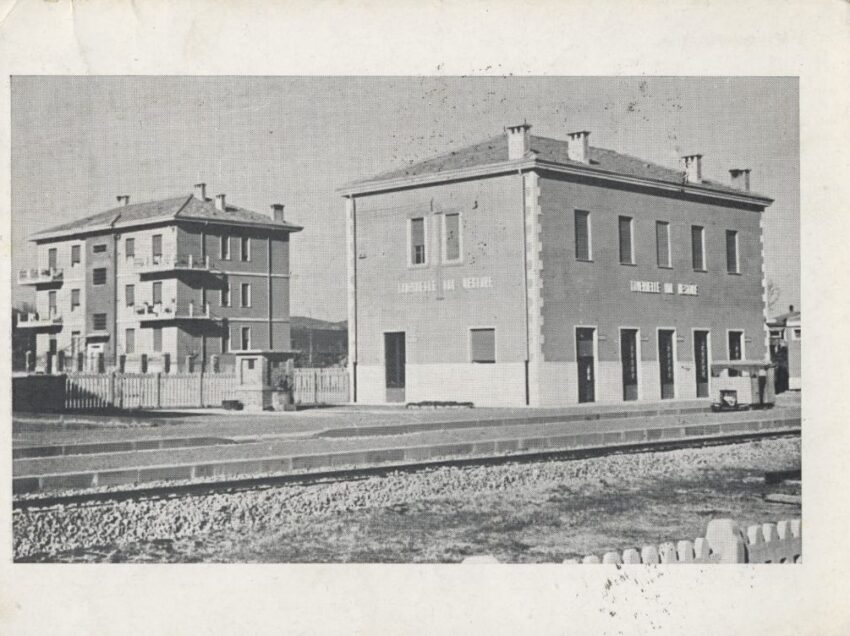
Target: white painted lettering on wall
pixel 425 286
pixel 655 287
pixel 475 282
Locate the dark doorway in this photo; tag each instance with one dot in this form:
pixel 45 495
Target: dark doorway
pixel 394 361
pixel 665 363
pixel 629 360
pixel 701 362
pixel 584 357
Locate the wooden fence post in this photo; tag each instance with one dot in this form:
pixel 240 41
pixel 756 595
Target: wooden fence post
pixel 110 394
pixel 201 388
pixel 158 390
pixel 315 386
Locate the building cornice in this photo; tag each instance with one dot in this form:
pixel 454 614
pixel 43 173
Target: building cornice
pixel 533 163
pixel 108 228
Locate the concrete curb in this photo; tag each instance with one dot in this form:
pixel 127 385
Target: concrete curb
pixel 479 451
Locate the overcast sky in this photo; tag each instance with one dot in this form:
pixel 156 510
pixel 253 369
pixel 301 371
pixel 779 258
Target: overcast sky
pixel 77 142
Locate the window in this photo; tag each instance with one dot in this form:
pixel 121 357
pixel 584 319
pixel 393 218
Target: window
pixel 98 322
pixel 98 276
pixel 662 243
pixel 417 242
pixel 157 293
pixel 129 248
pixel 75 299
pixel 130 295
pixel 75 255
pixel 157 339
pixel 245 248
pixel 582 231
pixel 51 258
pixel 225 294
pixel 224 247
pixel 100 248
pixel 225 341
pixel 156 246
pixel 130 341
pixel 51 303
pixel 626 252
pixel 451 235
pixel 797 333
pixel 698 247
pixel 736 345
pixel 482 345
pixel 245 295
pixel 246 338
pixel 732 252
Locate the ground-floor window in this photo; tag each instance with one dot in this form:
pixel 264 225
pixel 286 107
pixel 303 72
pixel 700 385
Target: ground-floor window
pixel 482 344
pixel 629 360
pixel 157 339
pixel 130 341
pixel 666 362
pixel 736 345
pixel 246 338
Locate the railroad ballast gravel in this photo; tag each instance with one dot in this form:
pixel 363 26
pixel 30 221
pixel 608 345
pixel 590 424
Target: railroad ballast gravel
pixel 42 533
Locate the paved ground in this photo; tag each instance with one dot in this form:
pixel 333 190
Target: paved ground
pixel 69 429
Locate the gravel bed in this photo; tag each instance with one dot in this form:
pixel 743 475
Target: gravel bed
pixel 521 512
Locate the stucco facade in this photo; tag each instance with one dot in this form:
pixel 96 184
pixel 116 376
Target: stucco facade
pixel 521 287
pixel 168 281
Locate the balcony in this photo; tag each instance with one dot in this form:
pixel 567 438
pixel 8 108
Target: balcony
pixel 153 313
pixel 172 264
pixel 51 320
pixel 40 276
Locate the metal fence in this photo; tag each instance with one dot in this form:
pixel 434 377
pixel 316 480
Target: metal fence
pixel 190 390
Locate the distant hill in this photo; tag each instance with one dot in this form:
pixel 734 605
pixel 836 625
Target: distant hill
pixel 303 322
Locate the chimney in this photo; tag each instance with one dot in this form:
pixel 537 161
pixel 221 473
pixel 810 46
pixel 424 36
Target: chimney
pixel 692 165
pixel 740 178
pixel 277 212
pixel 123 199
pixel 518 141
pixel 201 191
pixel 577 146
pixel 219 203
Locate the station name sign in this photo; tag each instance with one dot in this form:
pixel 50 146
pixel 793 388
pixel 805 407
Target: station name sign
pixel 656 287
pixel 447 284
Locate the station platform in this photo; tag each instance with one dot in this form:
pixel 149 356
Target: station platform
pixel 213 447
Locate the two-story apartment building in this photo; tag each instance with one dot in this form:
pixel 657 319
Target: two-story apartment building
pixel 170 281
pixel 526 270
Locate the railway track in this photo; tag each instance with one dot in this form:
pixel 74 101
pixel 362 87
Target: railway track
pixel 36 503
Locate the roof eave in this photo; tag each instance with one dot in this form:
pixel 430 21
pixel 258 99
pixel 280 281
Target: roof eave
pixel 383 185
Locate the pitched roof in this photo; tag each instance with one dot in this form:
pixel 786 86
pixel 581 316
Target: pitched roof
pixel 186 208
pixel 495 150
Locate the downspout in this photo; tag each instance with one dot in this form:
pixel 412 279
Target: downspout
pixel 269 260
pixel 525 283
pixel 352 317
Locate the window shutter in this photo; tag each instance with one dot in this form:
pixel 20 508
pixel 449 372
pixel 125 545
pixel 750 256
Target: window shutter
pixel 731 251
pixel 582 235
pixel 483 345
pixel 625 239
pixel 662 242
pixel 696 247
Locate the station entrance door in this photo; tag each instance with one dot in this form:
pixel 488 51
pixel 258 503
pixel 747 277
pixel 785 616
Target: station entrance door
pixel 394 363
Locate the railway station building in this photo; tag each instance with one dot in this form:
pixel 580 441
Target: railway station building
pixel 166 285
pixel 526 270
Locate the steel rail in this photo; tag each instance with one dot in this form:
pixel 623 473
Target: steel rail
pixel 166 491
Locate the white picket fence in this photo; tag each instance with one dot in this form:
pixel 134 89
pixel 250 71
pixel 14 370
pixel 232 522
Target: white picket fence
pixel 321 386
pixel 190 390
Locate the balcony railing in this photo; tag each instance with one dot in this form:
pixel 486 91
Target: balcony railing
pixel 40 321
pixel 158 312
pixel 40 275
pixel 157 264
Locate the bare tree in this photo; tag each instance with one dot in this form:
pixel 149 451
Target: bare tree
pixel 772 293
